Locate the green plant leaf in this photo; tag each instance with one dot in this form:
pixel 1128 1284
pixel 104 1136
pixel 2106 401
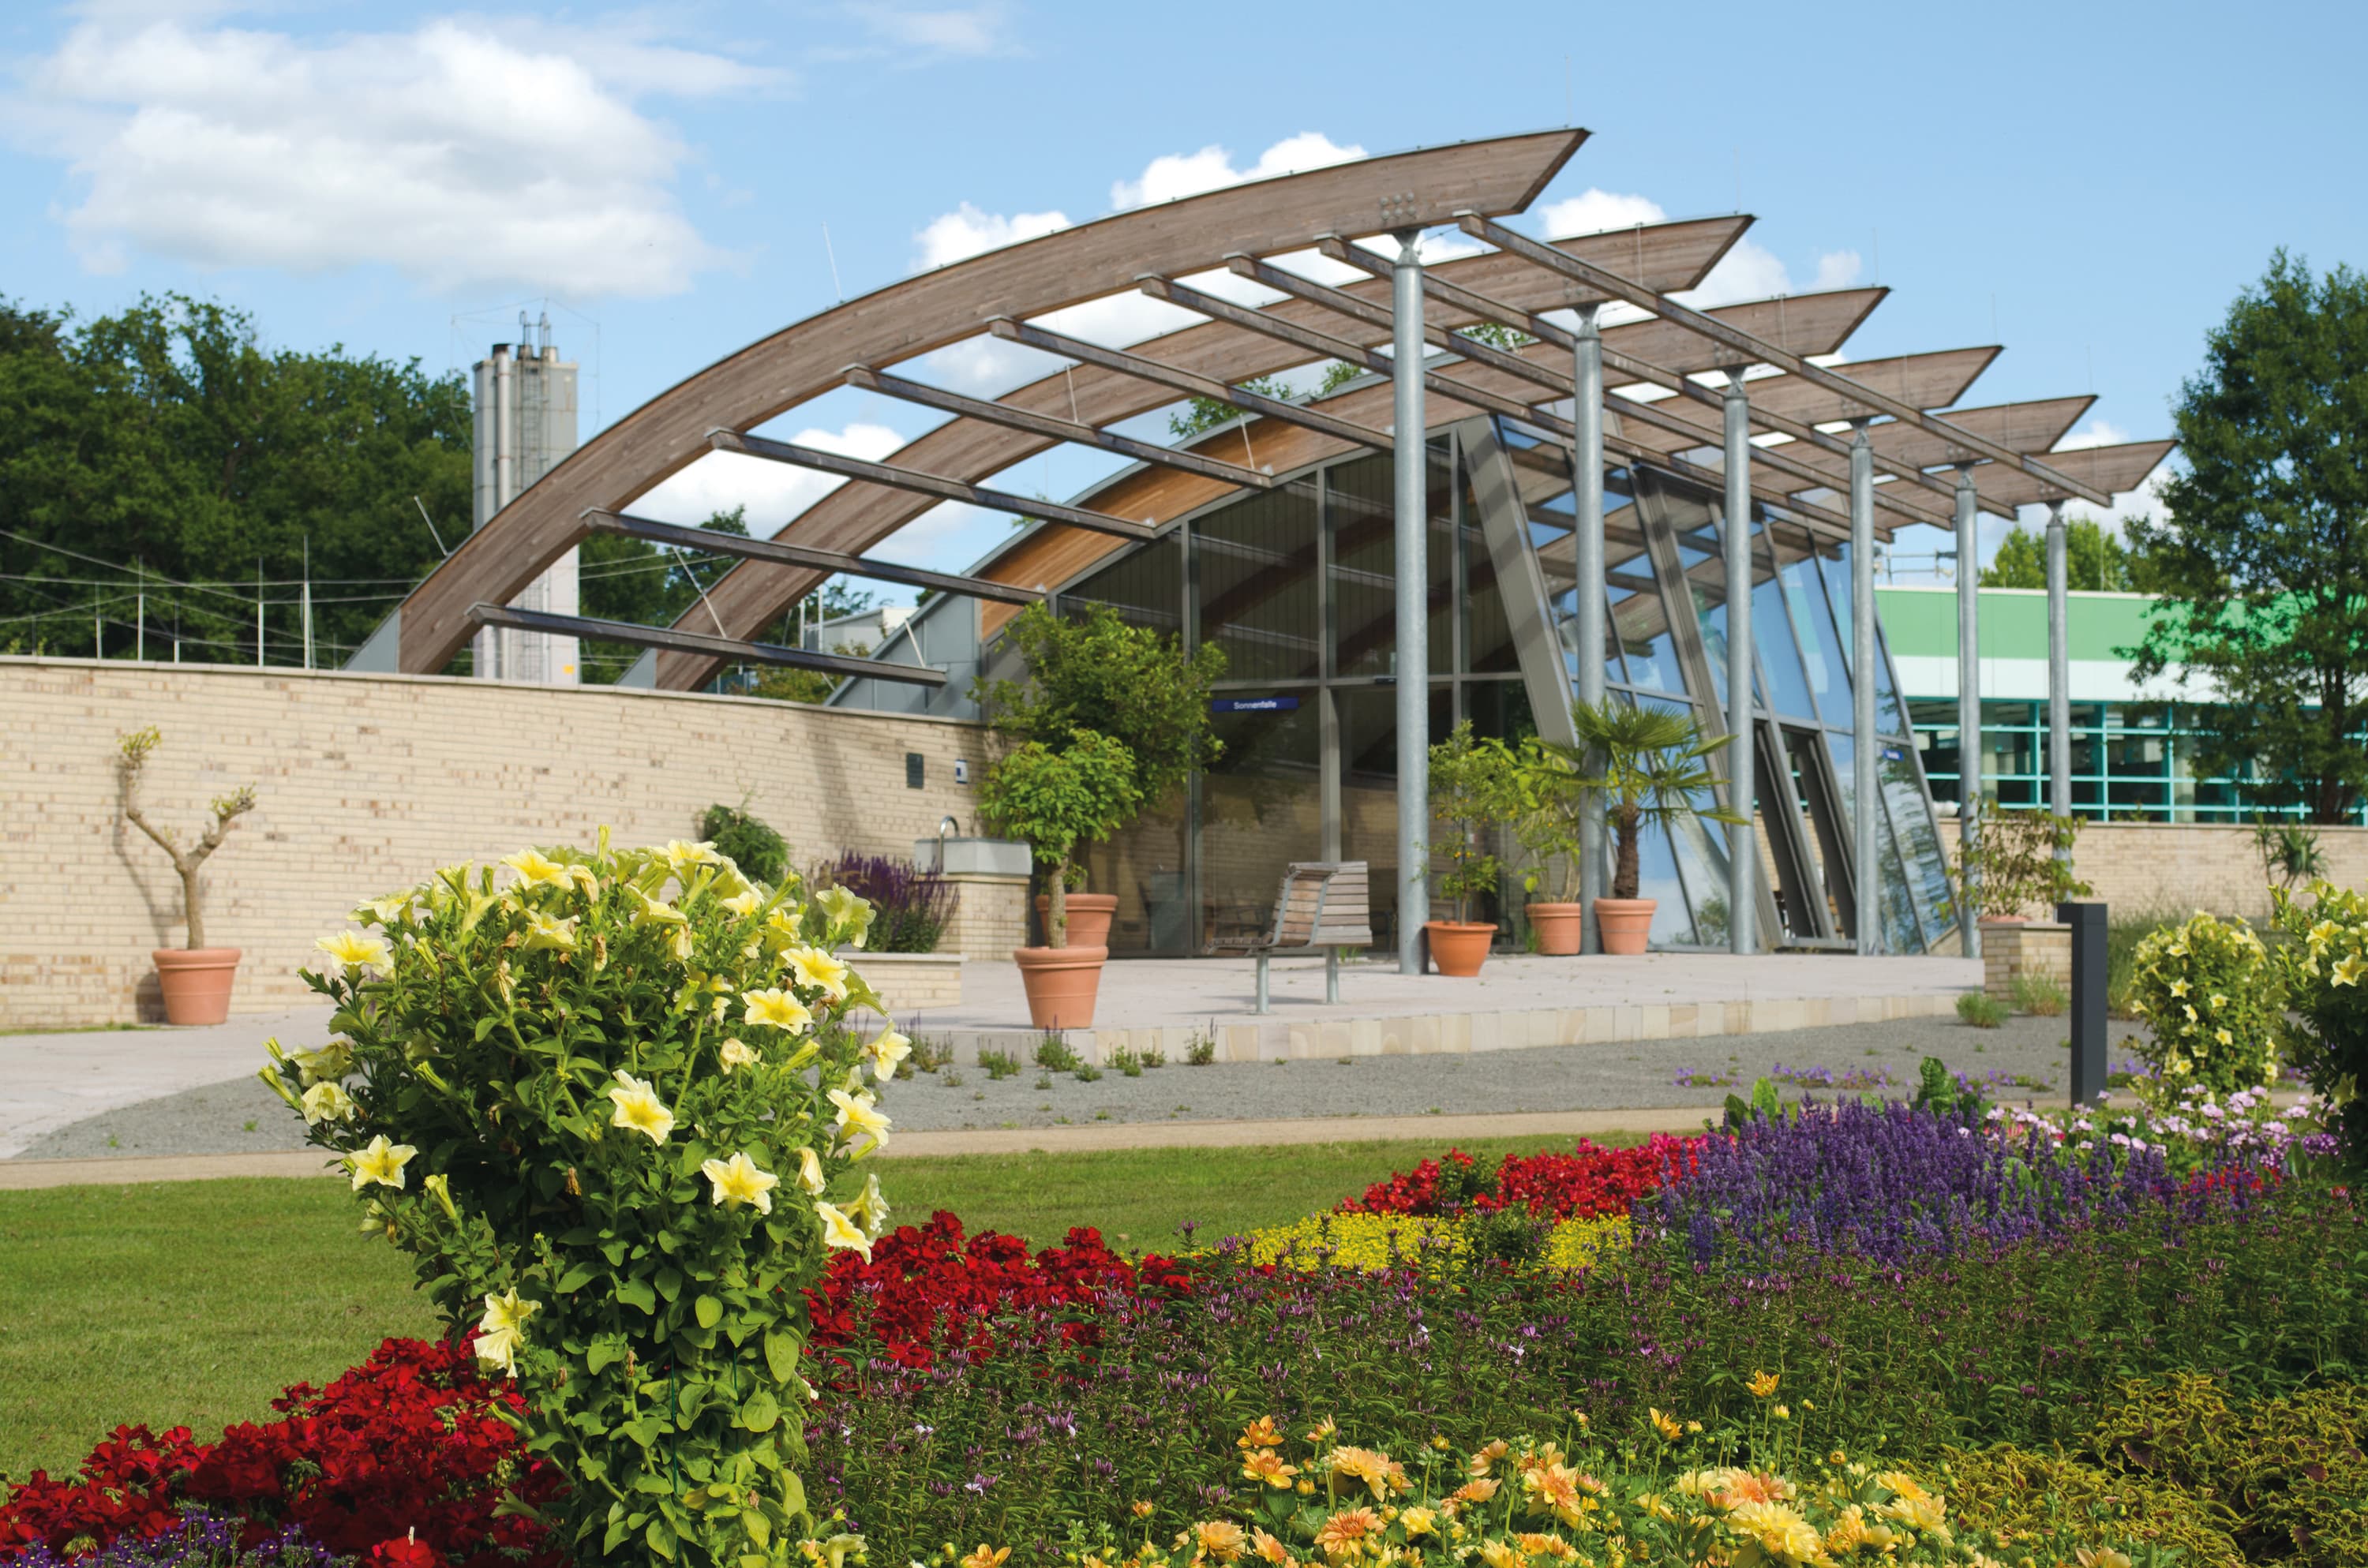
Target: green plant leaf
pixel 707 1310
pixel 761 1412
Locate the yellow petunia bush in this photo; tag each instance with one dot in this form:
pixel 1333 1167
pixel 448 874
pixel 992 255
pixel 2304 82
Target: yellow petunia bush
pixel 1437 1245
pixel 2325 958
pixel 2215 1001
pixel 1311 1501
pixel 599 1099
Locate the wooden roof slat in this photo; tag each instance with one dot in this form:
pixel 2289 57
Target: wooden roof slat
pixel 2033 427
pixel 944 489
pixel 714 542
pixel 675 638
pixel 2109 471
pixel 1929 380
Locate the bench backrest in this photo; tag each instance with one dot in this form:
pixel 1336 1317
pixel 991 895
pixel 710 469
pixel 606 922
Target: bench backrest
pixel 1324 903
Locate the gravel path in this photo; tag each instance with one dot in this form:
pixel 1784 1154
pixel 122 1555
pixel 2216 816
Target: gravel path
pixel 2026 1059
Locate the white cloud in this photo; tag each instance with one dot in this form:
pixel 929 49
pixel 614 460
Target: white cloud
pixel 464 153
pixel 2143 502
pixel 1747 271
pixel 1838 269
pixel 773 493
pixel 1178 175
pixel 966 232
pixel 973 30
pixel 1594 211
pixel 2095 432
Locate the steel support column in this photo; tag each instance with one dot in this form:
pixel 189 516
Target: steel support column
pixel 1410 448
pixel 1742 840
pixel 1586 552
pixel 1866 857
pixel 2059 675
pixel 1969 707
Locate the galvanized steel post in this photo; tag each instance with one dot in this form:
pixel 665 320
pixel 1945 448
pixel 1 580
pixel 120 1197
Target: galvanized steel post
pixel 2059 675
pixel 1410 449
pixel 1969 709
pixel 1742 843
pixel 1588 621
pixel 1865 854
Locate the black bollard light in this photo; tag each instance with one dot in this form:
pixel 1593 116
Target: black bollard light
pixel 2088 922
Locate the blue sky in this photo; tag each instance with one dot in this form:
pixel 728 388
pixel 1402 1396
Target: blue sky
pixel 2089 184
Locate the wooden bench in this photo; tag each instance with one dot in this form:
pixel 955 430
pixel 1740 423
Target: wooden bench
pixel 1323 903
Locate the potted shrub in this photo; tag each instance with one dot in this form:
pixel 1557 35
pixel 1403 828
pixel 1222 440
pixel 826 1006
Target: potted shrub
pixel 2012 863
pixel 1549 829
pixel 1127 683
pixel 1649 765
pixel 195 979
pixel 1056 801
pixel 1475 786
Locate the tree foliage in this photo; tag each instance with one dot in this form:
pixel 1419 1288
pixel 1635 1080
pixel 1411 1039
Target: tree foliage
pixel 170 437
pixel 2094 559
pixel 2263 557
pixel 1204 415
pixel 1082 788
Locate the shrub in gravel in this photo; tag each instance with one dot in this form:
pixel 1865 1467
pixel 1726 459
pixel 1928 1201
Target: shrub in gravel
pixel 1981 1010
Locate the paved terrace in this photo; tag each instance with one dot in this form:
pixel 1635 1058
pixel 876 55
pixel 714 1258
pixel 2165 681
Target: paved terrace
pixel 1516 1002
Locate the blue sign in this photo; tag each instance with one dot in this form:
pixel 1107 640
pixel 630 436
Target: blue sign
pixel 1253 704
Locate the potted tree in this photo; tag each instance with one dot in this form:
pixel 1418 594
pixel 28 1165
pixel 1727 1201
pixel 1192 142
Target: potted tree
pixel 1474 786
pixel 2010 863
pixel 195 979
pixel 1553 795
pixel 1128 683
pixel 1649 765
pixel 1057 800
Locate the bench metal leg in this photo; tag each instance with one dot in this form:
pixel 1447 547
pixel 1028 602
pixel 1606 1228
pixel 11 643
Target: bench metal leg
pixel 1261 983
pixel 1332 975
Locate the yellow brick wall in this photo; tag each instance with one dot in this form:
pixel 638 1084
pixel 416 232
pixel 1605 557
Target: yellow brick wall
pixel 2179 868
pixel 365 783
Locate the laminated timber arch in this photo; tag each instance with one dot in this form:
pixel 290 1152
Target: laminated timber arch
pixel 1419 189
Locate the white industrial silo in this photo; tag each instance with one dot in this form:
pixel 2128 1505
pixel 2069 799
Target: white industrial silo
pixel 525 425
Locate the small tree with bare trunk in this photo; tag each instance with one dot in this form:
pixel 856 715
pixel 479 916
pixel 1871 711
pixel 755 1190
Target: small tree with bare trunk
pixel 227 809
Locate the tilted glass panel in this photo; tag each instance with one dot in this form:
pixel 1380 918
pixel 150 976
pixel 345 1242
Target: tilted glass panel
pixel 1890 716
pixel 1144 585
pixel 1261 808
pixel 1771 634
pixel 1927 872
pixel 1487 632
pixel 1693 522
pixel 1813 623
pixel 1896 908
pixel 1640 617
pixel 1362 497
pixel 1255 562
pixel 1368 790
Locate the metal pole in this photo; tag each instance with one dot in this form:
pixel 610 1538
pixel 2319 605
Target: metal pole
pixel 1969 707
pixel 2087 921
pixel 2059 675
pixel 1742 843
pixel 308 601
pixel 1409 444
pixel 259 613
pixel 1587 622
pixel 1866 857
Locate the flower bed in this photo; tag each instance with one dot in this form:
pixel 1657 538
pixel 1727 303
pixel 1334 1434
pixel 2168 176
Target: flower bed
pixel 1585 1184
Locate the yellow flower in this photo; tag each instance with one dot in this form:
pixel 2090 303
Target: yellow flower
pixel 651 911
pixel 857 1117
pixel 354 949
pixel 333 1060
pixel 384 910
pixel 1501 1554
pixel 326 1101
pixel 1418 1521
pixel 744 904
pixel 535 871
pixel 889 1049
pixel 1269 1549
pixel 2101 1557
pixel 839 1230
pixel 1782 1414
pixel 2190 1012
pixel 542 931
pixel 1377 1470
pixel 1265 1464
pixel 1762 1384
pixel 502 1329
pixel 737 1180
pixel 1220 1538
pixel 1142 1508
pixel 818 968
pixel 1667 1426
pixel 871 1207
pixel 682 856
pixel 1344 1534
pixel 985 1557
pixel 2224 1037
pixel 848 910
pixel 439 1186
pixel 1260 1433
pixel 1780 1532
pixel 2216 1002
pixel 2346 971
pixel 779 1009
pixel 2179 988
pixel 810 1171
pixel 381 1162
pixel 736 1053
pixel 639 1107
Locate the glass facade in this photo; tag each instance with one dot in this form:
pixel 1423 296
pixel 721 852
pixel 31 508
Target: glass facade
pixel 1295 583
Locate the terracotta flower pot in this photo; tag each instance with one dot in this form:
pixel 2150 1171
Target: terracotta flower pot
pixel 1091 914
pixel 1560 926
pixel 196 983
pixel 1625 923
pixel 1458 947
pixel 1061 984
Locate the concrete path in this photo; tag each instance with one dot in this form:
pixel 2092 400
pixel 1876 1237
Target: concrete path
pixel 49 1081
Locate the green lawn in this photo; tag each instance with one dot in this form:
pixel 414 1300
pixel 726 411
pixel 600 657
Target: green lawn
pixel 192 1304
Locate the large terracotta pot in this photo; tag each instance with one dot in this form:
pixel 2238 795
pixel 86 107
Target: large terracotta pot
pixel 1561 927
pixel 196 983
pixel 1624 924
pixel 1458 947
pixel 1061 984
pixel 1091 914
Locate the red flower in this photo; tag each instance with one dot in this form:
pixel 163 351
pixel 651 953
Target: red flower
pixel 407 1552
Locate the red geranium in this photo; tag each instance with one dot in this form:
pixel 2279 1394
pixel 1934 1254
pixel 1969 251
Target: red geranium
pixel 1584 1183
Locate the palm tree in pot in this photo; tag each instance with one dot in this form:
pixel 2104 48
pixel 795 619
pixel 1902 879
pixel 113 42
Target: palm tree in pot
pixel 1649 765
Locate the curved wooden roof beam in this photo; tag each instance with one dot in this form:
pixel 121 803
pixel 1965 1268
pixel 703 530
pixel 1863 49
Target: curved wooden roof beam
pixel 919 315
pixel 856 518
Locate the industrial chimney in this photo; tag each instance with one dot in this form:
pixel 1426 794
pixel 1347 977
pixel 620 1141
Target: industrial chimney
pixel 525 425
